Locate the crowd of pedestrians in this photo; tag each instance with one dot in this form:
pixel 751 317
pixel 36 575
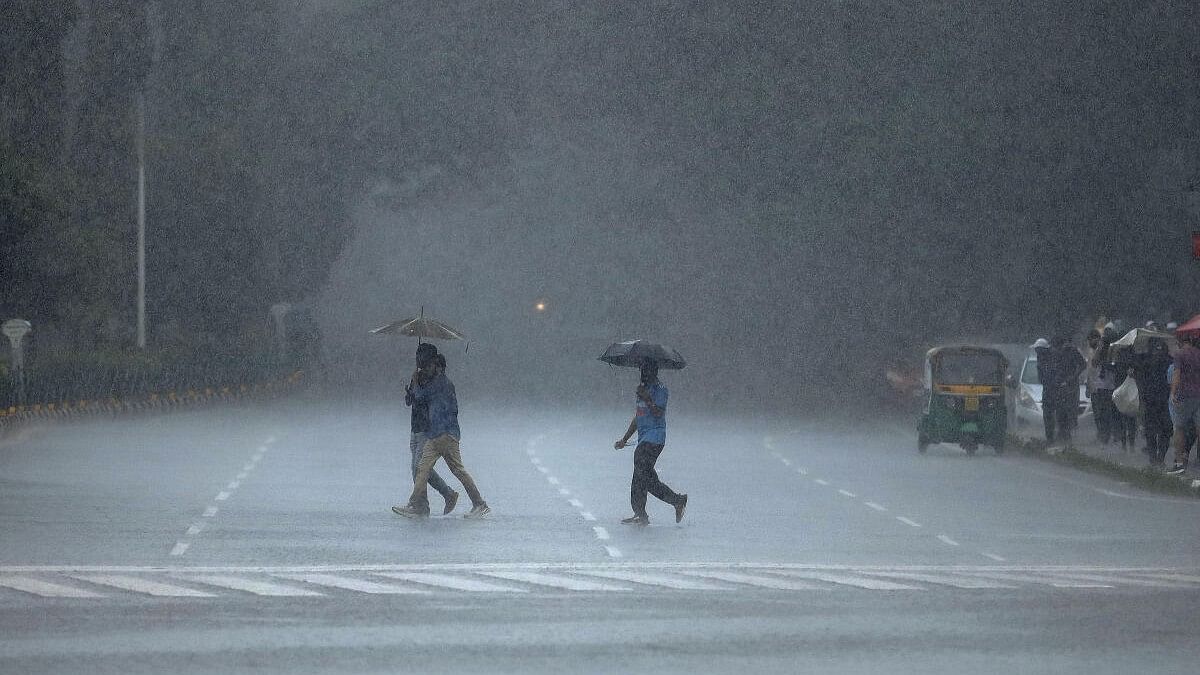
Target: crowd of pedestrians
pixel 1164 369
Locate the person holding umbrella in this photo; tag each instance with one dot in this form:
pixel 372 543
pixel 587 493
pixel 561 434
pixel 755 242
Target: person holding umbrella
pixel 650 422
pixel 426 353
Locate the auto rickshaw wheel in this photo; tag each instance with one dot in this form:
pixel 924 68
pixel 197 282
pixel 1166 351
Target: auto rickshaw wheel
pixel 922 443
pixel 970 446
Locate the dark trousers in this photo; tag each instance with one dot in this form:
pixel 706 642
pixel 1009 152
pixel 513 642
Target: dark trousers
pixel 645 479
pixel 1049 416
pixel 1104 413
pixel 1159 429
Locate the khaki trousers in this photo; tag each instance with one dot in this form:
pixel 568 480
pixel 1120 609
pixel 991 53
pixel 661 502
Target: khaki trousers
pixel 444 447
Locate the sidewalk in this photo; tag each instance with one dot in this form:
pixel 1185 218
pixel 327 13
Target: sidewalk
pixel 1133 461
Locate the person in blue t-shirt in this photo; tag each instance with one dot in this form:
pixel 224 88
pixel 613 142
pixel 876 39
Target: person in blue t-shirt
pixel 650 422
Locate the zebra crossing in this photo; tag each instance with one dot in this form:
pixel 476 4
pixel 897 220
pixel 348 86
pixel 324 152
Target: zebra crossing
pixel 197 583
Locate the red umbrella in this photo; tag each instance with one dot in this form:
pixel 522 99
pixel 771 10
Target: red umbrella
pixel 1191 328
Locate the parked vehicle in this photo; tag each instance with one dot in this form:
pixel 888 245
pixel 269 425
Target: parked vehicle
pixel 965 402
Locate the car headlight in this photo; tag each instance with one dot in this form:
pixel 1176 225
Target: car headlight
pixel 1026 400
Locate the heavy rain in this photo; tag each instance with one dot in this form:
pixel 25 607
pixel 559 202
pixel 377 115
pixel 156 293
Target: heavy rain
pixel 915 284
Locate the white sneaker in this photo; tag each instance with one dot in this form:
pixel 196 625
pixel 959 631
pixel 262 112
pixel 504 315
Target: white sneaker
pixel 478 511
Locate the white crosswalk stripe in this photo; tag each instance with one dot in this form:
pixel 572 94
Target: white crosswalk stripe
pixel 32 583
pixel 351 584
pixel 141 585
pixel 656 579
pixel 849 580
pixel 454 582
pixel 45 589
pixel 554 581
pixel 250 585
pixel 753 580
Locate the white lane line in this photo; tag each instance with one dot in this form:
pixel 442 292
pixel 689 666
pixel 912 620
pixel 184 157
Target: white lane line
pixel 786 461
pixel 248 468
pixel 564 492
pixel 242 475
pixel 45 589
pixel 530 452
pixel 262 449
pixel 222 496
pixel 233 485
pixel 655 579
pixel 1032 578
pixel 1186 578
pixel 210 512
pixel 993 556
pixel 195 529
pixel 139 585
pixel 453 582
pixel 846 493
pixel 821 481
pixel 601 533
pixel 270 439
pixel 802 471
pixel 775 583
pixel 947 540
pixel 941 580
pixel 180 548
pixel 256 458
pixel 254 586
pixel 543 469
pixel 587 515
pixel 875 506
pixel 552 480
pixel 536 461
pixel 576 503
pixel 1116 581
pixel 613 551
pixel 848 580
pixel 906 521
pixel 346 583
pixel 555 581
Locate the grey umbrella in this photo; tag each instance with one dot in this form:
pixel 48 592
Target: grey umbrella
pixel 631 354
pixel 420 327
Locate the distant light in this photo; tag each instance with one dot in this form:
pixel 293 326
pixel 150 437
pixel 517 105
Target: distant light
pixel 540 306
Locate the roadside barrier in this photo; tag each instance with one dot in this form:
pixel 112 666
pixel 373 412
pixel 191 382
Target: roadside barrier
pixel 155 402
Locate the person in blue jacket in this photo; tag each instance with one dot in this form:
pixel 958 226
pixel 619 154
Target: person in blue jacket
pixel 650 422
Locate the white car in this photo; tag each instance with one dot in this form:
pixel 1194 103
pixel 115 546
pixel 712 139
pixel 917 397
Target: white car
pixel 1027 403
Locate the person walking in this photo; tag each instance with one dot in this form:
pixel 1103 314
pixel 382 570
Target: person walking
pixel 1045 371
pixel 419 434
pixel 650 422
pixel 1102 379
pixel 1185 397
pixel 1150 373
pixel 1068 365
pixel 443 443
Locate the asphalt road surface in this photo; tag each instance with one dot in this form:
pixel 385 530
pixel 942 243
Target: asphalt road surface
pixel 262 539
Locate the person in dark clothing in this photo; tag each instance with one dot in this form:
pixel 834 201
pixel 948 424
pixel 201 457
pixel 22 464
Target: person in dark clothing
pixel 1125 426
pixel 650 422
pixel 1102 378
pixel 1045 371
pixel 1150 373
pixel 1067 365
pixel 426 353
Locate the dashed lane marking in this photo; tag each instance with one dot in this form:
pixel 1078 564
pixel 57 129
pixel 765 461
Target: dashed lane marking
pixel 906 521
pixel 846 493
pixel 947 540
pixel 601 533
pixel 873 505
pixel 210 512
pixel 180 548
pixel 820 481
pixel 612 551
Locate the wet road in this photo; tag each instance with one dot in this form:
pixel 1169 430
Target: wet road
pixel 263 539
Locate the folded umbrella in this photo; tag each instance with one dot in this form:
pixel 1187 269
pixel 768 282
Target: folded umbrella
pixel 633 353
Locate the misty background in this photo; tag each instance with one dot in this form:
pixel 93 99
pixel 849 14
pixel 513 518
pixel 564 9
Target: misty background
pixel 790 194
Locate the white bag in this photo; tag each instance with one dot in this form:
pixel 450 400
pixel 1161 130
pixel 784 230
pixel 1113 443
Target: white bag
pixel 1125 397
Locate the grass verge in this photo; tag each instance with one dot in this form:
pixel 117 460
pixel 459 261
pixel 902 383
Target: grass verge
pixel 1146 478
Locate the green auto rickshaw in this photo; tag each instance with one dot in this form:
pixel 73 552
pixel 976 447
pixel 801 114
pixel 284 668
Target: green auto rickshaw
pixel 965 402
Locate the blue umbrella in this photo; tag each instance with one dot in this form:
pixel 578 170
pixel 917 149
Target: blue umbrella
pixel 633 353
